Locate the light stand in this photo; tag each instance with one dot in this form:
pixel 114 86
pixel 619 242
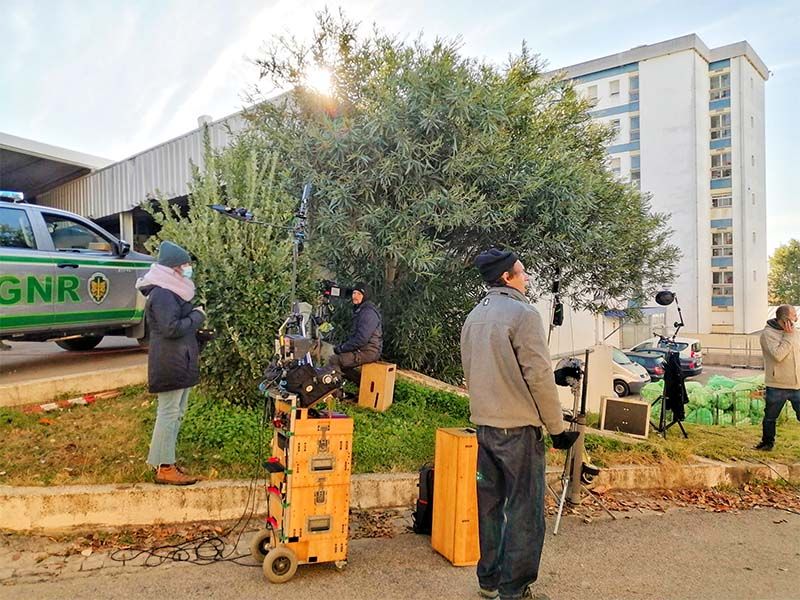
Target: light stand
pixel 571 484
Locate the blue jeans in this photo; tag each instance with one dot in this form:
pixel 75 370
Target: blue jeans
pixel 511 525
pixel 775 401
pixel 171 408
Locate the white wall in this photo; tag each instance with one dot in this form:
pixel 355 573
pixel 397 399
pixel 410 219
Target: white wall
pixel 674 162
pixel 747 99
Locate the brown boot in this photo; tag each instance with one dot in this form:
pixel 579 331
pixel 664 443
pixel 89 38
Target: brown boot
pixel 170 475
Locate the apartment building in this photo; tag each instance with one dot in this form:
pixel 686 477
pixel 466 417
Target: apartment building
pixel 689 130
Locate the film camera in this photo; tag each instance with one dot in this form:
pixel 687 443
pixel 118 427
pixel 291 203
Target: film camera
pixel 292 370
pixel 332 291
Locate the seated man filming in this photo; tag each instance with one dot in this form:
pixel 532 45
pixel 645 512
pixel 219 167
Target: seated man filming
pixel 366 340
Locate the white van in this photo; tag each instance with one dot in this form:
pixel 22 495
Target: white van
pixel 629 377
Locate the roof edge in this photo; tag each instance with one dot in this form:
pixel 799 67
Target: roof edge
pixel 679 44
pixel 55 153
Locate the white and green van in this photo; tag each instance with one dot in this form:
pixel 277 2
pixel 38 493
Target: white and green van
pixel 63 278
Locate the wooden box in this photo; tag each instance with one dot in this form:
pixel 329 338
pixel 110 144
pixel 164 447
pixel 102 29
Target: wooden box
pixel 377 385
pixel 312 513
pixel 625 416
pixel 455 500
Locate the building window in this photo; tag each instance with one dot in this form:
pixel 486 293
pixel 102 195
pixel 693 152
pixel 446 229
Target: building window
pixel 615 125
pixel 615 166
pixel 752 122
pixel 722 244
pixel 753 198
pixel 720 86
pixel 721 165
pixel 613 88
pixel 720 126
pixel 723 283
pixel 636 172
pixel 752 160
pixel 755 276
pixel 591 93
pixel 633 88
pixel 722 201
pixel 634 128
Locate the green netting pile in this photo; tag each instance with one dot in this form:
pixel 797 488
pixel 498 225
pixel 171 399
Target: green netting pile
pixel 723 401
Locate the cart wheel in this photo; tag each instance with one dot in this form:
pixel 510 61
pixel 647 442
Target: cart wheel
pixel 260 545
pixel 340 565
pixel 280 564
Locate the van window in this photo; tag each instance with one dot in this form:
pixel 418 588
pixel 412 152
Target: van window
pixel 72 236
pixel 15 229
pixel 618 357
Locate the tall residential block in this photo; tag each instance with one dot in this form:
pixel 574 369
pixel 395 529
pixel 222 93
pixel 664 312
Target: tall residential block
pixel 689 130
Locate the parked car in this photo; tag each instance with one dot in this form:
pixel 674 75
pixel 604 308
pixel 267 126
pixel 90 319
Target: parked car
pixel 63 278
pixel 690 352
pixel 629 377
pixel 653 362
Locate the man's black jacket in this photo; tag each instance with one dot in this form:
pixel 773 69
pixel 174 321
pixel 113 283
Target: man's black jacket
pixel 367 336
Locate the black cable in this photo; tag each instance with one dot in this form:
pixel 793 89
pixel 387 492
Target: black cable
pixel 209 549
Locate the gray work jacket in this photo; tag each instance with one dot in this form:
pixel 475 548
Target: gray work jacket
pixel 507 364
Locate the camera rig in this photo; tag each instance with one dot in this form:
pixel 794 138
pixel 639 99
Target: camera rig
pixel 292 369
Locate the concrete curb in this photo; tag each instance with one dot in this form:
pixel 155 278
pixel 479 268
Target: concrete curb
pixel 38 509
pixel 45 390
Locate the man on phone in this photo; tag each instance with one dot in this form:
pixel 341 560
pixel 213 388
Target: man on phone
pixel 780 344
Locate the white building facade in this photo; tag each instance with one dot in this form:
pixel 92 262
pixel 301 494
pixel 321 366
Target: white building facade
pixel 689 125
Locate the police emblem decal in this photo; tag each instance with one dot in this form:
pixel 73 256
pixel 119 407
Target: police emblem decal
pixel 98 285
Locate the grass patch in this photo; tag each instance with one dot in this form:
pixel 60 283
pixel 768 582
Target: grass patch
pixel 107 442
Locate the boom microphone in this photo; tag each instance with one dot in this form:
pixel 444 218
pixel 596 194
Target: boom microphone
pixel 240 214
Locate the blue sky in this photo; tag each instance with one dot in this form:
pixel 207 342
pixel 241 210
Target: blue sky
pixel 112 78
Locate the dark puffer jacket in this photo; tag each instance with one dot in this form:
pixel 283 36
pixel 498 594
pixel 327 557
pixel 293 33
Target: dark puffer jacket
pixel 367 336
pixel 173 356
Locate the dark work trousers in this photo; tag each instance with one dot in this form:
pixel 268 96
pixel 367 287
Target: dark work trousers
pixel 775 401
pixel 349 364
pixel 511 487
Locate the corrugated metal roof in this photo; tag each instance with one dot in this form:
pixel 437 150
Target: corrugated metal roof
pixel 122 186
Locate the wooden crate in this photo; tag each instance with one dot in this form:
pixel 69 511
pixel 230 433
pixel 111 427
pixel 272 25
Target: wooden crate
pixel 319 458
pixel 377 385
pixel 455 499
pixel 312 513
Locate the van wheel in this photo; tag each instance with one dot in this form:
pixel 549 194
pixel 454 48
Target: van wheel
pixel 621 388
pixel 81 344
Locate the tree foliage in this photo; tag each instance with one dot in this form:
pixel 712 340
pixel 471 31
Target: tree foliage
pixel 784 274
pixel 243 271
pixel 422 157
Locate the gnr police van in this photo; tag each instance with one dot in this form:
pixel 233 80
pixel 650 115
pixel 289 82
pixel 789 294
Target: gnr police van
pixel 65 279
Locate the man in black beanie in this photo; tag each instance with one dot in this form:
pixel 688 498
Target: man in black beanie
pixel 512 394
pixel 366 340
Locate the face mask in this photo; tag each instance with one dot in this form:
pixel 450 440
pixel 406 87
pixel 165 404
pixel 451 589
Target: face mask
pixel 187 272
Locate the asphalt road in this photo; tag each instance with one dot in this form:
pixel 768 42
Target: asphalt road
pixel 36 360
pixel 683 554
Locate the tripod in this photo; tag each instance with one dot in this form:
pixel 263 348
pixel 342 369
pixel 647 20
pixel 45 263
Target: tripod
pixel 674 392
pixel 571 484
